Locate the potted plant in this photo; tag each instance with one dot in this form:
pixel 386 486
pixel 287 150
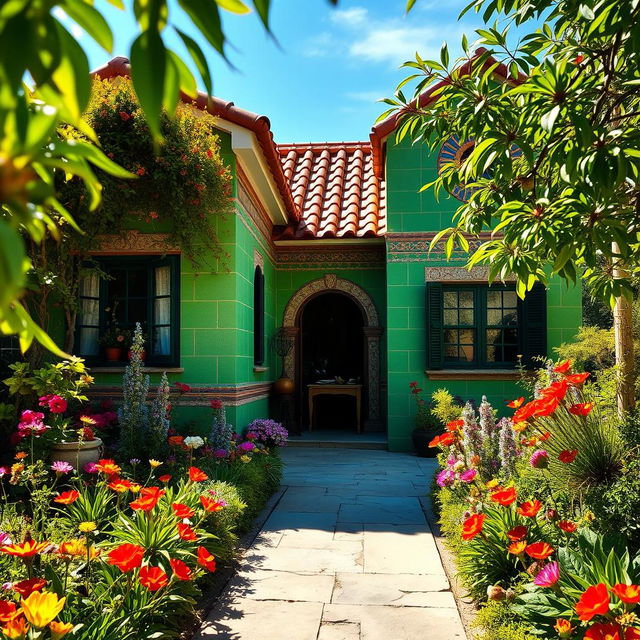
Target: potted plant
pixel 427 424
pixel 115 341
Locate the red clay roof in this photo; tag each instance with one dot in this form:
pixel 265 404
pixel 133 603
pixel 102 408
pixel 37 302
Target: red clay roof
pixel 334 187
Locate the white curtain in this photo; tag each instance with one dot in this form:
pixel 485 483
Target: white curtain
pixel 162 311
pixel 89 314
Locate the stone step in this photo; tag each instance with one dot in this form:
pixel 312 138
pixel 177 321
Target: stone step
pixel 335 444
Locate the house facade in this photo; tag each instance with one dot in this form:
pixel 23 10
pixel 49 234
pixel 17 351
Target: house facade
pixel 329 245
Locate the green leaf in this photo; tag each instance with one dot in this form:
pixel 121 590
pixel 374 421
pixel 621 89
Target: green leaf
pixel 199 60
pixel 12 260
pixel 234 6
pixel 206 17
pixel 410 4
pixel 92 21
pixel 186 80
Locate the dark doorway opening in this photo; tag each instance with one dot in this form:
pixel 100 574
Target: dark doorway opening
pixel 332 347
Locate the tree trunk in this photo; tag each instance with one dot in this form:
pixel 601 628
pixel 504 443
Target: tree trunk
pixel 623 331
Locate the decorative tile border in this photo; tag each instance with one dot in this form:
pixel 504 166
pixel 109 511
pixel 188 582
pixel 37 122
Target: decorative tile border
pixel 324 257
pixel 414 247
pixel 134 242
pixel 459 274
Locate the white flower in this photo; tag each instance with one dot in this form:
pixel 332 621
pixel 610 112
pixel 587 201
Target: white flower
pixel 193 442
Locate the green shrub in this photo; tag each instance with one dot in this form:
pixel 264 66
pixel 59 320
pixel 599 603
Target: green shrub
pixel 497 621
pixel 224 524
pixel 444 406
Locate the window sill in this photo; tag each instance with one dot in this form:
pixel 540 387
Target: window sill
pixel 260 369
pixel 144 369
pixel 473 374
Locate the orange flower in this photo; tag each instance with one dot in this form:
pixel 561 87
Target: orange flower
pixel 67 497
pixel 186 532
pixel 443 440
pixel 16 628
pixel 581 408
pixel 563 628
pixel 211 505
pixel 568 456
pixel 176 441
pixel 515 404
pixel 180 569
pixel 472 526
pixel 148 499
pixel 544 437
pixel 26 587
pixel 26 549
pixel 165 478
pixel 517 548
pixel 577 378
pixel 182 510
pixel 197 475
pixel 126 557
pixel 108 467
pixel 59 629
pixel 563 367
pixel 8 611
pixel 530 508
pixel 629 593
pixel 525 412
pixel 21 455
pixel 504 496
pixel 517 533
pixel 454 425
pixel 593 602
pixel 539 550
pixel 120 485
pixel 153 578
pixel 567 526
pixel 206 559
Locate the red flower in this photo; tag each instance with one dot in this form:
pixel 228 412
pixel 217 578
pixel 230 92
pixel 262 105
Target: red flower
pixel 413 385
pixel 472 526
pixel 567 526
pixel 578 59
pixel 515 404
pixel 629 593
pixel 26 587
pixel 530 508
pixel 577 378
pixel 8 611
pixel 563 367
pixel 55 403
pixel 632 634
pixel 176 441
pixel 124 115
pixel 216 404
pixel 186 532
pixel 525 412
pixel 556 390
pixel 182 510
pixel 165 478
pixel 568 456
pixel 581 408
pixel 148 499
pixel 593 602
pixel 67 497
pixel 211 505
pixel 108 467
pixel 539 550
pixel 517 533
pixel 153 578
pixel 206 559
pixel 600 631
pixel 182 387
pixel 454 425
pixel 504 496
pixel 126 557
pixel 443 440
pixel 180 569
pixel 197 475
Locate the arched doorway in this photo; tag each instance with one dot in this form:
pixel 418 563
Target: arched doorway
pixel 331 347
pixel 371 330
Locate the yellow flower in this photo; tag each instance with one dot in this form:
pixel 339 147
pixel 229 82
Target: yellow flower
pixel 59 629
pixel 87 379
pixel 519 427
pixel 245 458
pixel 41 607
pixel 87 527
pixel 135 487
pixel 154 463
pixel 77 548
pixel 492 484
pixel 16 628
pixel 17 468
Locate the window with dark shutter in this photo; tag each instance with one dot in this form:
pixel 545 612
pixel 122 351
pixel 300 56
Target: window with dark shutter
pixel 258 317
pixel 434 325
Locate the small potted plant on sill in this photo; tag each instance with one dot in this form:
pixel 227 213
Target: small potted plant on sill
pixel 427 424
pixel 114 341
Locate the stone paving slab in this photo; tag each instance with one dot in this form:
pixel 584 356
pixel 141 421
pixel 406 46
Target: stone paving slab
pixel 281 585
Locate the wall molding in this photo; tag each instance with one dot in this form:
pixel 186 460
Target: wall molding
pixel 134 242
pixel 460 274
pixel 415 247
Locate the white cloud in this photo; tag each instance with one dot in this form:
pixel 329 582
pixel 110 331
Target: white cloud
pixel 320 45
pixel 365 96
pixel 355 16
pixel 395 44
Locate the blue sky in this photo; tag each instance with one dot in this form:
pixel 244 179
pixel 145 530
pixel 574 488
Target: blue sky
pixel 331 65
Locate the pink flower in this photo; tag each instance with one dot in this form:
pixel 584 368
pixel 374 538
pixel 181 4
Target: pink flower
pixel 55 403
pixel 539 459
pixel 60 466
pixel 468 475
pixel 548 576
pixel 5 538
pixel 31 416
pixel 90 467
pixel 4 471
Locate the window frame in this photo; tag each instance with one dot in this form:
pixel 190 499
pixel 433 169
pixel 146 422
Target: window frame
pixel 258 317
pixel 150 263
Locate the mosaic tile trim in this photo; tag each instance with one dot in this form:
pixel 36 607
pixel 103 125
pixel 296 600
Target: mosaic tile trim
pixel 414 247
pixel 459 274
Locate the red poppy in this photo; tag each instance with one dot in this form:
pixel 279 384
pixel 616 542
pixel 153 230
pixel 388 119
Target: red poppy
pixel 545 406
pixel 557 390
pixel 504 496
pixel 517 533
pixel 126 557
pixel 26 587
pixel 211 505
pixel 443 440
pixel 153 578
pixel 197 475
pixel 629 593
pixel 206 559
pixel 165 478
pixel 581 408
pixel 567 526
pixel 525 412
pixel 108 467
pixel 632 634
pixel 180 569
pixel 568 456
pixel 182 510
pixel 539 550
pixel 577 378
pixel 563 367
pixel 454 425
pixel 516 404
pixel 186 532
pixel 472 526
pixel 8 611
pixel 530 508
pixel 593 602
pixel 67 497
pixel 603 631
pixel 148 499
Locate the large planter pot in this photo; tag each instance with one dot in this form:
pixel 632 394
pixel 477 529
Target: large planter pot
pixel 284 386
pixel 77 454
pixel 113 354
pixel 421 440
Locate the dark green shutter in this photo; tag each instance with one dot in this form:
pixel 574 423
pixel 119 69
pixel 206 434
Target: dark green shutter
pixel 435 343
pixel 534 325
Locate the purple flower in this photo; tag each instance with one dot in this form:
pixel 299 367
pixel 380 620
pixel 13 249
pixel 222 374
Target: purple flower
pixel 548 576
pixel 60 466
pixel 539 459
pixel 220 453
pixel 247 446
pixel 468 475
pixel 445 478
pixel 90 467
pixel 134 461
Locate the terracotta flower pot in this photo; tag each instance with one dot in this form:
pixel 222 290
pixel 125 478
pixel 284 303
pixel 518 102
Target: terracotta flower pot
pixel 421 440
pixel 113 354
pixel 284 386
pixel 77 454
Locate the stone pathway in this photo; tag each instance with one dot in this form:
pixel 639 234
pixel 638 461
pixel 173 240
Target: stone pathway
pixel 346 555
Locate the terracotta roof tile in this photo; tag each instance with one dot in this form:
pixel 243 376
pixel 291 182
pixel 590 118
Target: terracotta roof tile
pixel 335 189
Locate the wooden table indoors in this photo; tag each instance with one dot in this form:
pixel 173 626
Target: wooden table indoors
pixel 354 390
